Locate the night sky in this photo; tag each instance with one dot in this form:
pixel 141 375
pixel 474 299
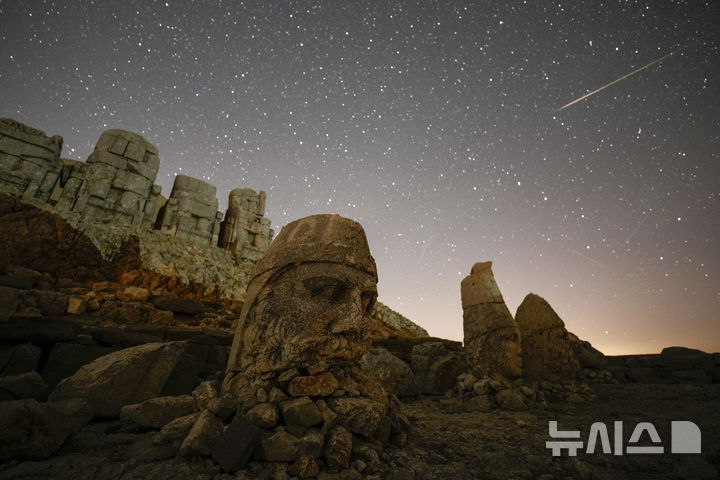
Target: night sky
pixel 433 124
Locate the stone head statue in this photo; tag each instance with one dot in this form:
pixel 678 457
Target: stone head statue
pixel 308 300
pixel 492 337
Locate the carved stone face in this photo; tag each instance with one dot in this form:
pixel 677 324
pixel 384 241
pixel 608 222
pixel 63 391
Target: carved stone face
pixel 309 313
pixel 509 352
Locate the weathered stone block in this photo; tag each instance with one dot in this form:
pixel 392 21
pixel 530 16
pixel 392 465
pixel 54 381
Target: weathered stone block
pixel 132 182
pixel 37 330
pixel 101 156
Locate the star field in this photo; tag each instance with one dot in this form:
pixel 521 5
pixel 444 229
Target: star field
pixel 433 124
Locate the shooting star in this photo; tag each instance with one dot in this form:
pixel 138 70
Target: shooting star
pixel 619 79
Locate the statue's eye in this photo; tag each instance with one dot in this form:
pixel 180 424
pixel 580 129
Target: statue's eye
pixel 368 301
pixel 328 288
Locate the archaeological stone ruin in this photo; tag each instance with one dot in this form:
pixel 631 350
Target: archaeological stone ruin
pixel 116 185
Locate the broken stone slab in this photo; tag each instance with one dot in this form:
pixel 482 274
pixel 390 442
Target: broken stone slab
pixel 127 376
pixel 25 385
pixel 236 445
pixel 203 436
pixel 33 430
pixel 37 330
pixel 159 411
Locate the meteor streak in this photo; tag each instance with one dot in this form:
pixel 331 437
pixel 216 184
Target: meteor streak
pixel 619 79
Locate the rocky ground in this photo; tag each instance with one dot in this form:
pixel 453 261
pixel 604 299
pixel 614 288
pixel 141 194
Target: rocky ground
pixel 450 439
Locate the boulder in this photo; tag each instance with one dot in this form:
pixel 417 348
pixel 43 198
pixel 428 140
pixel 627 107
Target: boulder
pixel 25 385
pixel 203 436
pixel 236 445
pixel 121 378
pixel 159 411
pixel 33 430
pixel 392 373
pixel 121 338
pixel 547 347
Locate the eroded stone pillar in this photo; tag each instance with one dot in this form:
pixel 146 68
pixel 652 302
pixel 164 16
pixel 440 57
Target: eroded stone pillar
pixel 491 335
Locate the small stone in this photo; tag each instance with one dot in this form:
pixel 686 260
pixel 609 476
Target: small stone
pixel 482 387
pixel 575 398
pixel 223 406
pixel 288 375
pixel 301 411
pixel 527 392
pixel 276 395
pixel 313 385
pixel 264 415
pixel 328 415
pixel 203 436
pixel 76 306
pixel 205 392
pixel 511 400
pixel 304 467
pixel 133 294
pixel 319 367
pixel 338 449
pixel 261 395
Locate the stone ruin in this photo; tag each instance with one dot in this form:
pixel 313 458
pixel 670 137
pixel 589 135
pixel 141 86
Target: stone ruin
pixel 29 160
pixel 492 337
pixel 115 186
pixel 245 231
